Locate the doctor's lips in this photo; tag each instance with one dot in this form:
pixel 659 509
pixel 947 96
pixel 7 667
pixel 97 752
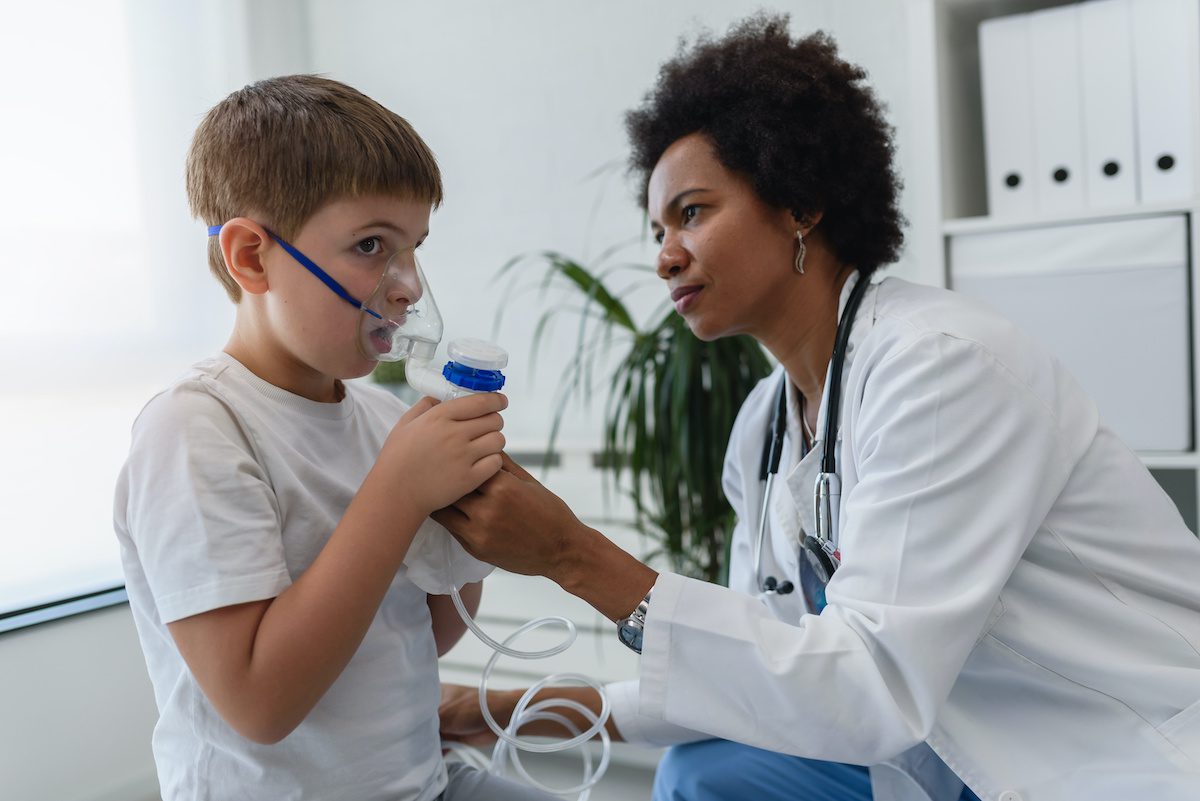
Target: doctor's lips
pixel 684 296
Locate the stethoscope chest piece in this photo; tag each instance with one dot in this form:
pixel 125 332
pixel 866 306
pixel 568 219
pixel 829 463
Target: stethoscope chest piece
pixel 822 562
pixel 820 549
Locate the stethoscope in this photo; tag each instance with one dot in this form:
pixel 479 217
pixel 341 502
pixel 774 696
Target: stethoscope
pixel 820 547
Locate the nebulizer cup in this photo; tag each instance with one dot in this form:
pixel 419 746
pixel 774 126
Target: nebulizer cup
pixel 401 321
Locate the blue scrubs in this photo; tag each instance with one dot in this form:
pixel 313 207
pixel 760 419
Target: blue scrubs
pixel 720 770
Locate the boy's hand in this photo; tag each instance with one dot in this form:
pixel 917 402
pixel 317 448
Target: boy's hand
pixel 439 452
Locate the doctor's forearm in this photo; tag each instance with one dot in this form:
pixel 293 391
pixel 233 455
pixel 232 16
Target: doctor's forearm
pixel 600 573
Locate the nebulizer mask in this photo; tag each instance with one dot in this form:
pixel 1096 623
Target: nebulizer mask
pixel 399 321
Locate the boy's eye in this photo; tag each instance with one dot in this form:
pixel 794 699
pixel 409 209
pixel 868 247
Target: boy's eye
pixel 658 237
pixel 370 246
pixel 690 212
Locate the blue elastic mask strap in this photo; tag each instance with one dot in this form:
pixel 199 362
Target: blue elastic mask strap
pixel 308 264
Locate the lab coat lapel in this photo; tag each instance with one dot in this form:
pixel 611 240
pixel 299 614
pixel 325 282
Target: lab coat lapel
pixel 917 774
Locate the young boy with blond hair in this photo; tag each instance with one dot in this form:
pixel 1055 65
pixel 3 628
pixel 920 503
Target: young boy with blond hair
pixel 267 505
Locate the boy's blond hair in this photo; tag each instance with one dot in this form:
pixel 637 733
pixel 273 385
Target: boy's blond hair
pixel 280 149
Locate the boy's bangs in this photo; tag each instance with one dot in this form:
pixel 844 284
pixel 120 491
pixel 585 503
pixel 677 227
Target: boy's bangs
pixel 386 158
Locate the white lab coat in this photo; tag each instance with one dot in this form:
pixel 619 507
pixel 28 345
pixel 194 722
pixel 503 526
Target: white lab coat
pixel 1016 593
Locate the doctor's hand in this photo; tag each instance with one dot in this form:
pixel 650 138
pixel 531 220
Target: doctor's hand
pixel 515 523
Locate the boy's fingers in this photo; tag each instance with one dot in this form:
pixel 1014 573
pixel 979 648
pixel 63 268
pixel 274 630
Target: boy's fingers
pixel 490 443
pixel 475 405
pixel 479 426
pixel 486 467
pixel 419 408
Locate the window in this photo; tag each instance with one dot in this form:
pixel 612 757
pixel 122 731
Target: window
pixel 78 308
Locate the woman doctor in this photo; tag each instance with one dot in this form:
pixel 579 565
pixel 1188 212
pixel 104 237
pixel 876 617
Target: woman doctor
pixel 1014 603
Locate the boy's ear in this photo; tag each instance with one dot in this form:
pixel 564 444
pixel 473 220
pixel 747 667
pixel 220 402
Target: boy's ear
pixel 243 243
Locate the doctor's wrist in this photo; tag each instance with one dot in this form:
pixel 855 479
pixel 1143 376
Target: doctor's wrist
pixel 600 573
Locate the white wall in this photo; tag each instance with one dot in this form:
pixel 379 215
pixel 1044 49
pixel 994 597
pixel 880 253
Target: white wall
pixel 76 712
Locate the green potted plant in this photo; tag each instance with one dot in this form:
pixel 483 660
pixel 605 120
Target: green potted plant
pixel 671 404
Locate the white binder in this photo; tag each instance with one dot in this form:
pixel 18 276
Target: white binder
pixel 1106 66
pixel 1004 67
pixel 1164 56
pixel 1057 111
pixel 1110 300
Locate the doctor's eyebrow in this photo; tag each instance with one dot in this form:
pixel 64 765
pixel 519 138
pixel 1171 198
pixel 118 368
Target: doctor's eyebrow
pixel 675 203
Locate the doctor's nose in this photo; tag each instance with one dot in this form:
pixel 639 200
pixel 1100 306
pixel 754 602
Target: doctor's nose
pixel 672 259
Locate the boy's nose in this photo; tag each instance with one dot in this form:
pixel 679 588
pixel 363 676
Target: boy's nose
pixel 403 295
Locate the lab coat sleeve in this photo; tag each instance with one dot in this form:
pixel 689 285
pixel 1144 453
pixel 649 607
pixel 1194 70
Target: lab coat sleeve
pixel 623 696
pixel 638 729
pixel 958 461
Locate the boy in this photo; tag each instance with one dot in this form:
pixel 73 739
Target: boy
pixel 266 506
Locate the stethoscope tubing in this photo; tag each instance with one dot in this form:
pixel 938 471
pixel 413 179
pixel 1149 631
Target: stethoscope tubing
pixel 826 494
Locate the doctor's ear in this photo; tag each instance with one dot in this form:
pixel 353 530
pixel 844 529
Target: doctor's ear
pixel 243 244
pixel 806 221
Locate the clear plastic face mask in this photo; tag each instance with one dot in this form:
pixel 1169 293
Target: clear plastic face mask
pixel 399 318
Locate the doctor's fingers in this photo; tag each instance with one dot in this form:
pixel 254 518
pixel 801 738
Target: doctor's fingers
pixel 487 501
pixel 498 510
pixel 463 529
pixel 509 466
pixel 519 511
pixel 452 519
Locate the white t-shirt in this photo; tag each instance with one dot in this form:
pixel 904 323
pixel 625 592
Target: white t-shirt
pixel 231 489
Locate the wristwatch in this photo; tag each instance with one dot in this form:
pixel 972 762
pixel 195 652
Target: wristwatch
pixel 629 630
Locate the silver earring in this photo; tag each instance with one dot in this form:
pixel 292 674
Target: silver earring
pixel 800 249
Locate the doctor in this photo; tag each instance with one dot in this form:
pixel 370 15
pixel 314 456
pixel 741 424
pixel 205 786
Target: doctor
pixel 965 578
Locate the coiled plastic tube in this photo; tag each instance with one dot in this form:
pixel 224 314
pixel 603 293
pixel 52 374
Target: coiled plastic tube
pixel 509 745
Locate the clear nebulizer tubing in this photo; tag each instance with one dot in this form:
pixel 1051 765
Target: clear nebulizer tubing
pixel 475 366
pixel 509 744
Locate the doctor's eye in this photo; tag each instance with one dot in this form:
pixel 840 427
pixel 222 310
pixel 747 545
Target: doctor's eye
pixel 371 246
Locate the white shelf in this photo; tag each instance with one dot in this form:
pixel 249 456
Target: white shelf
pixel 1169 461
pixel 960 195
pixel 979 225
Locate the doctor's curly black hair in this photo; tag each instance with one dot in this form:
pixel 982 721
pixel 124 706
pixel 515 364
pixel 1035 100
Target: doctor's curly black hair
pixel 791 116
